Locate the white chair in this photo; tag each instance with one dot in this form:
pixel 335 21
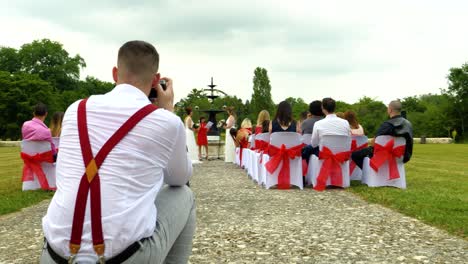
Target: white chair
pixel 357 143
pixel 290 140
pixel 340 146
pixel 32 148
pixel 381 177
pixel 56 141
pixel 238 156
pixel 250 159
pixel 261 142
pixel 306 139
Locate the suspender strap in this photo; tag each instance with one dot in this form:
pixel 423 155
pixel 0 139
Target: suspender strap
pixel 90 181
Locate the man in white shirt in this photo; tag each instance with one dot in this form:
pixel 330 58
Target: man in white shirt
pixel 143 220
pixel 330 125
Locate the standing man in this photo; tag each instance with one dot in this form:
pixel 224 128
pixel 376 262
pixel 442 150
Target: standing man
pixel 120 150
pixel 35 129
pixel 396 126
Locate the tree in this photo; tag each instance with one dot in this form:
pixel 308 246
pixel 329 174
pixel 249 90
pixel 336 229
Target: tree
pixel 52 63
pixel 458 93
pixel 261 97
pixel 298 106
pixel 9 60
pixel 371 114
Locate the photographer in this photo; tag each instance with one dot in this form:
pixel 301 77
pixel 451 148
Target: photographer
pixel 116 152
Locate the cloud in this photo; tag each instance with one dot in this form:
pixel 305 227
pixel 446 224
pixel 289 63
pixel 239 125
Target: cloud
pixel 312 49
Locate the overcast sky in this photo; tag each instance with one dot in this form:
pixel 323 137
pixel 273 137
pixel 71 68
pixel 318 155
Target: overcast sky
pixel 311 49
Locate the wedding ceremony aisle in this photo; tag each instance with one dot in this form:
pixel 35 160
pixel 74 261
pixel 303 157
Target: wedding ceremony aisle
pixel 239 222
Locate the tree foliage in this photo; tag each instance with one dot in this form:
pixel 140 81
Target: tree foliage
pixel 261 97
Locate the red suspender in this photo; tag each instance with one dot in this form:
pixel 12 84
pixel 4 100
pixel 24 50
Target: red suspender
pixel 90 180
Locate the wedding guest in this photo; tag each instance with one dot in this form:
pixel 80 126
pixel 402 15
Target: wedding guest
pixel 230 148
pixel 283 121
pixel 262 116
pixel 316 114
pixel 56 124
pixel 35 129
pixel 247 124
pixel 240 137
pixel 190 136
pixel 330 125
pixel 340 115
pixel 396 126
pixel 202 138
pixel 265 126
pixel 356 128
pixel 304 115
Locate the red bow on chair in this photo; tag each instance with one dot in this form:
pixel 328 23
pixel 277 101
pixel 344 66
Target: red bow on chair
pixel 261 147
pixel 32 165
pixel 390 154
pixel 243 144
pixel 331 167
pixel 355 147
pixel 282 154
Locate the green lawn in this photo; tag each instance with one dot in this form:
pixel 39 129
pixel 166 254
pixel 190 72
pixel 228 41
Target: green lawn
pixel 437 188
pixel 11 196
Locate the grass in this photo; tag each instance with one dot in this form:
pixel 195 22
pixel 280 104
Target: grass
pixel 11 196
pixel 437 188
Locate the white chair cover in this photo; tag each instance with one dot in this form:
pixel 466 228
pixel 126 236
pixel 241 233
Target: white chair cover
pixel 250 153
pixel 32 148
pixel 336 144
pixel 289 139
pixel 306 139
pixel 237 156
pixel 259 167
pixel 356 174
pixel 381 178
pixel 56 141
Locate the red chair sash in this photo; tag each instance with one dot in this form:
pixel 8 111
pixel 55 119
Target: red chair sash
pixel 331 167
pixel 262 148
pixel 355 147
pixel 389 153
pixel 32 165
pixel 282 154
pixel 243 144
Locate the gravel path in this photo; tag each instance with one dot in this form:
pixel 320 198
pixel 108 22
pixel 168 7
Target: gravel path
pixel 238 222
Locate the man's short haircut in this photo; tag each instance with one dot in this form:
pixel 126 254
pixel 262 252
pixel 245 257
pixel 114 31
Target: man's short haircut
pixel 40 109
pixel 329 104
pixel 315 108
pixel 139 59
pixel 395 106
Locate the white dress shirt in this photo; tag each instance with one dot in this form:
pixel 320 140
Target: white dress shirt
pixel 330 125
pixel 131 176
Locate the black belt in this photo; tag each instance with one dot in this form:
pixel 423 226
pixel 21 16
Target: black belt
pixel 121 257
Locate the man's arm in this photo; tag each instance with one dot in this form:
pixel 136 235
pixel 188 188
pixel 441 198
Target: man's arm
pixel 179 169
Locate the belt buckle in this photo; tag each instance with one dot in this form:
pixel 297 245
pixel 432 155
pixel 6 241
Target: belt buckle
pixel 71 259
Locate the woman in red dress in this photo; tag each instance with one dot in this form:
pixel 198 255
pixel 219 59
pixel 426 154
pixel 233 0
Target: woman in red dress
pixel 202 138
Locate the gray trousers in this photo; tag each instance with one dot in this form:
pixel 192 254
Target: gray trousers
pixel 175 226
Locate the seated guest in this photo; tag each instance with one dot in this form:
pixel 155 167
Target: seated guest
pixel 283 121
pixel 304 115
pixel 138 209
pixel 240 137
pixel 56 124
pixel 35 129
pixel 330 125
pixel 247 124
pixel 262 116
pixel 316 114
pixel 356 128
pixel 396 126
pixel 340 115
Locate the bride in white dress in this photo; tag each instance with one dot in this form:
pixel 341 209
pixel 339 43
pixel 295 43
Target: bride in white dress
pixel 230 148
pixel 190 137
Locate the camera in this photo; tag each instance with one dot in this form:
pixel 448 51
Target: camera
pixel 154 94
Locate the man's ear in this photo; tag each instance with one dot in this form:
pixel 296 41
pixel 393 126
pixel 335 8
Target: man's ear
pixel 156 79
pixel 115 74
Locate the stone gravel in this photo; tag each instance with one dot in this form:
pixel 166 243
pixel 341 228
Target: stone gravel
pixel 239 222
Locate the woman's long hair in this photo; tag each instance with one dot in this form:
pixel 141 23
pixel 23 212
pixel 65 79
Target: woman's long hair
pixel 284 114
pixel 56 124
pixel 352 119
pixel 262 116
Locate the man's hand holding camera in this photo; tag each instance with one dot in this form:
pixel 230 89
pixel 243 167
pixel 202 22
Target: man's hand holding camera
pixel 165 98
